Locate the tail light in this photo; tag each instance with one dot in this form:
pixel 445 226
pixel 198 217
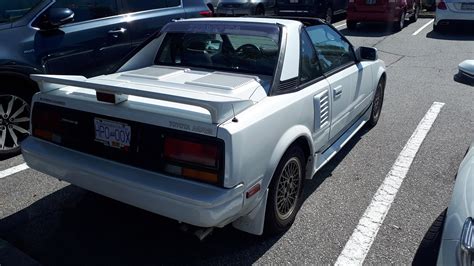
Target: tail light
pixel 207 13
pixel 193 159
pixel 442 5
pixel 46 125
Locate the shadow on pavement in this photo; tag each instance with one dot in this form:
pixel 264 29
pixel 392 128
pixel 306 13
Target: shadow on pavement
pixel 428 250
pixel 458 33
pixel 75 227
pixel 369 30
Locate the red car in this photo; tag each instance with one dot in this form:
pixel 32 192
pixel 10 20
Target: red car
pixel 394 12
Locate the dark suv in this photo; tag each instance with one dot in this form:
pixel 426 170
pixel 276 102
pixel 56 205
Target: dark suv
pixel 73 37
pixel 324 9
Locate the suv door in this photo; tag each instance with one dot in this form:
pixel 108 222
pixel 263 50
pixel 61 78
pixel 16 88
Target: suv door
pixel 91 45
pixel 147 16
pixel 337 60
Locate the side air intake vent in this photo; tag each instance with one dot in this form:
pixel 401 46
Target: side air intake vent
pixel 321 110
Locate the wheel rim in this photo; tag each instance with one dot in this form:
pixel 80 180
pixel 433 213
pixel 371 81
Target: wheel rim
pixel 14 121
pixel 329 15
pixel 288 188
pixel 402 20
pixel 377 103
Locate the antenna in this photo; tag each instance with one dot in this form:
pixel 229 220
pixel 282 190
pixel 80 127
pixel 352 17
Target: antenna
pixel 235 120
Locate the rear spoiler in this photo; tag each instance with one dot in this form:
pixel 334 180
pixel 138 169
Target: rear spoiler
pixel 221 108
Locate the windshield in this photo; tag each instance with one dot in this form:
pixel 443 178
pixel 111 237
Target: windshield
pixel 14 10
pixel 221 48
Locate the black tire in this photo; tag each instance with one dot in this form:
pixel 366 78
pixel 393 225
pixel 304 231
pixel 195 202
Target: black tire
pixel 377 104
pixel 399 25
pixel 281 190
pixel 414 16
pixel 428 250
pixel 329 15
pixel 351 25
pixel 19 93
pixel 260 11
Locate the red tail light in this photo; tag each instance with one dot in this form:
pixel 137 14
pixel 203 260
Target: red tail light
pixel 46 125
pixel 191 152
pixel 442 5
pixel 207 13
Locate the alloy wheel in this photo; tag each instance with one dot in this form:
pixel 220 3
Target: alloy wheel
pixel 377 102
pixel 288 188
pixel 14 121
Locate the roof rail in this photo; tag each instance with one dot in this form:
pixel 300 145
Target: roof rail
pixel 307 21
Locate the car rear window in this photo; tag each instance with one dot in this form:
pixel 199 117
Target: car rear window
pixel 233 48
pixel 11 11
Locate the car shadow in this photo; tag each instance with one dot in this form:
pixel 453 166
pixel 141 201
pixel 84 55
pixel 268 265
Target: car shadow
pixel 460 33
pixel 369 30
pixel 428 250
pixel 75 227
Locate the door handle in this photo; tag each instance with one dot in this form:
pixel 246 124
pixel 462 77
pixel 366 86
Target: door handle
pixel 116 32
pixel 337 91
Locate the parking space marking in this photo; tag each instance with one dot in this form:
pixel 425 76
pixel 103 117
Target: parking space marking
pixel 13 170
pixel 363 236
pixel 423 27
pixel 340 26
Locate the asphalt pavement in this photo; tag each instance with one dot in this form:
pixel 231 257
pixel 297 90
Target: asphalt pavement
pixel 55 223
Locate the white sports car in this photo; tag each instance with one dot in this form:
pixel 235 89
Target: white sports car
pixel 212 121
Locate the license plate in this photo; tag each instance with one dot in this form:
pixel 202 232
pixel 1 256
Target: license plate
pixel 370 2
pixel 112 134
pixel 467 6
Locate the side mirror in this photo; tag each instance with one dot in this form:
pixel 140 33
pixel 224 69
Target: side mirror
pixel 56 17
pixel 366 54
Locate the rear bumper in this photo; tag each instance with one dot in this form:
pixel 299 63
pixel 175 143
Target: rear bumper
pixel 389 15
pixel 243 11
pixel 183 200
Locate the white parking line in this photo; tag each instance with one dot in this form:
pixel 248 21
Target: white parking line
pixel 422 27
pixel 364 234
pixel 13 170
pixel 340 26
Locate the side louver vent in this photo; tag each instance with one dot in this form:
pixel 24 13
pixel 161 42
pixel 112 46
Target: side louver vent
pixel 321 110
pixel 288 84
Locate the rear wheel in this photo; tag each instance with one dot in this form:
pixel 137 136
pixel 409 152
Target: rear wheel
pixel 398 26
pixel 15 101
pixel 351 25
pixel 285 190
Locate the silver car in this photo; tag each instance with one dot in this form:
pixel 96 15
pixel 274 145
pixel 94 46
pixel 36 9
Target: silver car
pixel 457 241
pixel 245 7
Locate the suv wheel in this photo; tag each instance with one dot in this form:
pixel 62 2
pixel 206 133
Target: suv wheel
pixel 414 17
pixel 14 121
pixel 329 15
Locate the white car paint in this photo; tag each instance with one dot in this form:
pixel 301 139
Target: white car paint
pixel 192 100
pixel 454 11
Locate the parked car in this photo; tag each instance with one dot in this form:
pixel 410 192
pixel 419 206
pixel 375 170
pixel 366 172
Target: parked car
pixel 457 240
pixel 453 12
pixel 69 37
pixel 214 121
pixel 395 12
pixel 324 9
pixel 245 7
pixel 466 72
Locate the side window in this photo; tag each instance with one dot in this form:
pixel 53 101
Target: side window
pixel 142 5
pixel 333 51
pixel 309 65
pixel 89 9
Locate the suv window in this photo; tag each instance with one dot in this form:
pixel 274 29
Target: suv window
pixel 89 9
pixel 309 65
pixel 14 10
pixel 333 51
pixel 142 5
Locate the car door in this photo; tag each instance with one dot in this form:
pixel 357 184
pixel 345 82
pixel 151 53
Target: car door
pixel 337 60
pixel 146 17
pixel 91 45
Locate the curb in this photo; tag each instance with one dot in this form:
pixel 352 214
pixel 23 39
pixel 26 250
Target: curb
pixel 10 255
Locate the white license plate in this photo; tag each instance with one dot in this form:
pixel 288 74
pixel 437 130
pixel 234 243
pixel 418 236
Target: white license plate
pixel 112 134
pixel 467 6
pixel 370 2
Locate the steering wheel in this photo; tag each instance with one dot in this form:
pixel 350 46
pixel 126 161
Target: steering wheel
pixel 249 51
